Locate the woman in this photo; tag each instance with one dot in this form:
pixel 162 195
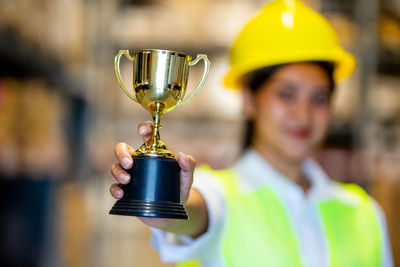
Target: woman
pixel 275 206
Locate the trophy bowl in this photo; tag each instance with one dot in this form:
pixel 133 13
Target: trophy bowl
pixel 160 76
pixel 159 85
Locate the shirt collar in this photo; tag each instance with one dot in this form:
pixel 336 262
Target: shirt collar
pixel 255 172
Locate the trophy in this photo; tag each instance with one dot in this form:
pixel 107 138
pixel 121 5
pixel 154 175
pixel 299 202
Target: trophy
pixel 159 83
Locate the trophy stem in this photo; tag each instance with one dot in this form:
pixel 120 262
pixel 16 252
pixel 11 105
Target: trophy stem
pixel 157 125
pixel 155 147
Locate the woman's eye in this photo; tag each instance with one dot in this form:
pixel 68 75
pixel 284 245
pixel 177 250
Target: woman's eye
pixel 286 95
pixel 321 99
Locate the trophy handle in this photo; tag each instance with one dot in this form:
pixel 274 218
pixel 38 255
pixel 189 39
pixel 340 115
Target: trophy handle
pixel 118 74
pixel 203 79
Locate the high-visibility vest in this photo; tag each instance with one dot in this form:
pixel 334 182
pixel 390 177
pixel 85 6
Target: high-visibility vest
pixel 258 231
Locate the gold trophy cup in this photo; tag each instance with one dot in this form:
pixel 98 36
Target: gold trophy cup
pixel 159 83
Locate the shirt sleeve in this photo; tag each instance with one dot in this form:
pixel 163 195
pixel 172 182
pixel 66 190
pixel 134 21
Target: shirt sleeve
pixel 175 248
pixel 387 260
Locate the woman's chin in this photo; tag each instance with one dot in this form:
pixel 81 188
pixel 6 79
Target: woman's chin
pixel 297 152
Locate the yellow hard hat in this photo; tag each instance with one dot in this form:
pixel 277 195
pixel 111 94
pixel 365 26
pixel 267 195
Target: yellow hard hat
pixel 286 31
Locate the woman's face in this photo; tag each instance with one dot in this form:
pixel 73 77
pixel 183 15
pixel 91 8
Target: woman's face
pixel 291 111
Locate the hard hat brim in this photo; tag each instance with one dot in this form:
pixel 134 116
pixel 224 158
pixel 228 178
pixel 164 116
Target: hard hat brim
pixel 344 62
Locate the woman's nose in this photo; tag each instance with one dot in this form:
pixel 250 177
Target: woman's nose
pixel 302 112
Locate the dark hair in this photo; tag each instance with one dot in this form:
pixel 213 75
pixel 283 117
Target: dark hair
pixel 254 80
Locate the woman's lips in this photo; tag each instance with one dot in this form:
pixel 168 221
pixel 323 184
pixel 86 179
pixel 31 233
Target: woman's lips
pixel 300 133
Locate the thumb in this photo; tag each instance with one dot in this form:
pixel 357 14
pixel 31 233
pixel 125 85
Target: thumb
pixel 187 164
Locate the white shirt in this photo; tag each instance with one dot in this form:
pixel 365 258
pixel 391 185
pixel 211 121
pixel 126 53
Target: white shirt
pixel 253 171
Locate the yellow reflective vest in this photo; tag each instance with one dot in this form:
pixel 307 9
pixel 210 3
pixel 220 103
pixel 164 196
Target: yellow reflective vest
pixel 352 231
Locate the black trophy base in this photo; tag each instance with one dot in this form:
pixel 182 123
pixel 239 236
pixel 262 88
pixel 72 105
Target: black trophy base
pixel 154 190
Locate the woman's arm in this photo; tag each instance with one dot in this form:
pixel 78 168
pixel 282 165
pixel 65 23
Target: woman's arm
pixel 193 201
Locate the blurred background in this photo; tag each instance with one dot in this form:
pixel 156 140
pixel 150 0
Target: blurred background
pixel 61 114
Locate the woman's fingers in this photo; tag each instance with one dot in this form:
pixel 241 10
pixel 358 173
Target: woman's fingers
pixel 187 164
pixel 145 129
pixel 116 191
pixel 123 153
pixel 120 174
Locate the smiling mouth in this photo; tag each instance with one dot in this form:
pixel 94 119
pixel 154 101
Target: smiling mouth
pixel 300 133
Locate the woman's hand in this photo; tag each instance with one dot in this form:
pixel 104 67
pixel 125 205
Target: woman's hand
pixel 123 153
